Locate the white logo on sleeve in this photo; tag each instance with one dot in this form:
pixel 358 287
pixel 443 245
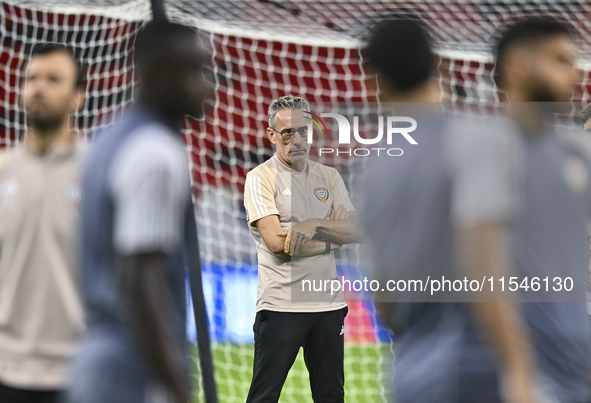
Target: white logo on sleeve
pixel 342 330
pixel 287 192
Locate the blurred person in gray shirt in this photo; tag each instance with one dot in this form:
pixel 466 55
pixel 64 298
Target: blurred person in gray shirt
pixel 136 216
pixel 499 198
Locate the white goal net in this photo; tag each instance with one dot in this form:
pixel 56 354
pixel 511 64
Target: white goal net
pixel 261 50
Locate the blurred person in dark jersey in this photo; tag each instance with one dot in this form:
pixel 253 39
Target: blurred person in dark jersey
pixel 485 200
pixel 136 208
pixel 41 315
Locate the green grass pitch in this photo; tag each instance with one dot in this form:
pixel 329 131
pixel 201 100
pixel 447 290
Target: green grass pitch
pixel 366 374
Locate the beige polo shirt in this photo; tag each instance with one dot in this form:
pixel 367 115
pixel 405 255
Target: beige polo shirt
pixel 272 188
pixel 41 315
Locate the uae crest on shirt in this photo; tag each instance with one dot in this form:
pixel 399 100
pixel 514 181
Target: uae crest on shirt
pixel 321 194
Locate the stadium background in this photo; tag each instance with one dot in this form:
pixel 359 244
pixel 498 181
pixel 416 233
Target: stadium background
pixel 260 51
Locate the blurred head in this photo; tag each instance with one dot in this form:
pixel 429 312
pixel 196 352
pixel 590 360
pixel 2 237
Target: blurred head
pixel 586 119
pixel 169 64
pixel 53 87
pixel 288 129
pixel 535 60
pixel 399 51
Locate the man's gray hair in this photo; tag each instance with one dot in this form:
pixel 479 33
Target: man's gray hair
pixel 286 102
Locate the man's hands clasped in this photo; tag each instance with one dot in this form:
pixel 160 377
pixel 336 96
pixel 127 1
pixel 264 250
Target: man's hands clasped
pixel 299 235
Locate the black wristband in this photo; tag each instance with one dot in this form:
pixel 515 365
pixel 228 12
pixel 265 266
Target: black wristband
pixel 328 245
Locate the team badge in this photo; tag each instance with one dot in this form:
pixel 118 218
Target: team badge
pixel 321 194
pixel 574 172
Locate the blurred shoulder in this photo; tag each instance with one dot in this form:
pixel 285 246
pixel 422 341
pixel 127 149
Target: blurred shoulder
pixel 483 135
pixel 153 144
pixel 482 129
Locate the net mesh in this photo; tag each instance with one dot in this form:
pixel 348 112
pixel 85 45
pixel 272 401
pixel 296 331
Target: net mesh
pixel 260 51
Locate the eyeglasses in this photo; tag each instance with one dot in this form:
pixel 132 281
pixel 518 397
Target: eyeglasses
pixel 288 134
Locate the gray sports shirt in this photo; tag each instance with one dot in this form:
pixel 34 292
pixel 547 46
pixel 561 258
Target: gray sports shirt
pixel 459 175
pixel 136 200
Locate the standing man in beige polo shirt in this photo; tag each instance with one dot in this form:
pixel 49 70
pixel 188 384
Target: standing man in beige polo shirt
pixel 41 313
pixel 298 212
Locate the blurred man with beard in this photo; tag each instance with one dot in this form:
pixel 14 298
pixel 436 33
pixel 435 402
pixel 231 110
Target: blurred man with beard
pixel 40 308
pixel 535 69
pixel 487 198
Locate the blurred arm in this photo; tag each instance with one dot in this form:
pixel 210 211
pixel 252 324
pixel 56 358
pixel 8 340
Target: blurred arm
pixel 486 168
pixel 149 304
pixel 482 253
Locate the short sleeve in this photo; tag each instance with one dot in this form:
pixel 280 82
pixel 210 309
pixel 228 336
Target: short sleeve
pixel 259 197
pixel 150 188
pixel 341 196
pixel 486 175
